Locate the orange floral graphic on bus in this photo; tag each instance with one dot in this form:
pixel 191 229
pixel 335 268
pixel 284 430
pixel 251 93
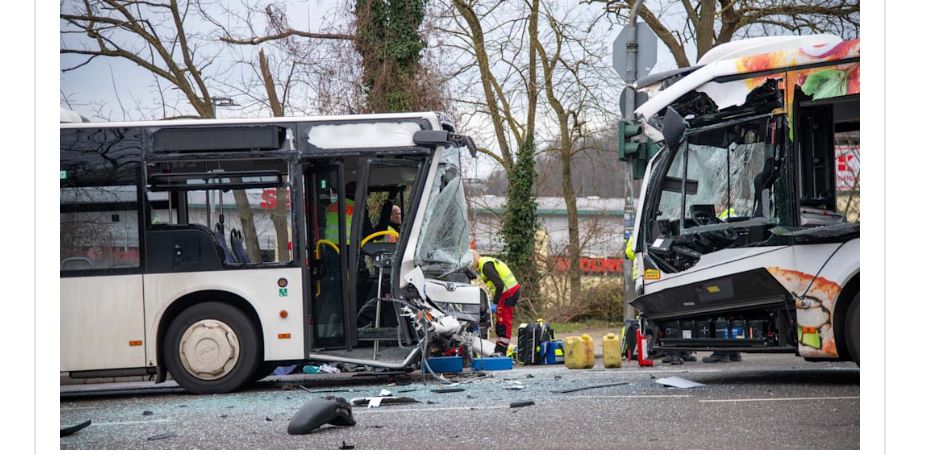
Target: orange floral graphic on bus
pixel 815 299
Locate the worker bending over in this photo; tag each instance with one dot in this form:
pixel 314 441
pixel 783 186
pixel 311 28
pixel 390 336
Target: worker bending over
pixel 505 289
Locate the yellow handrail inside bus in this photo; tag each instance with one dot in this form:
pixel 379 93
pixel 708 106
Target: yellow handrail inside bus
pixel 329 243
pixel 379 234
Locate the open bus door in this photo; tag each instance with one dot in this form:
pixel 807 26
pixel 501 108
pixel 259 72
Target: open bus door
pixel 326 203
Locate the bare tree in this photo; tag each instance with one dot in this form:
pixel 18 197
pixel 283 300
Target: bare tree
pixel 510 99
pixel 136 29
pixel 711 22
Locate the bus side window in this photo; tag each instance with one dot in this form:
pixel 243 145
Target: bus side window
pixel 99 203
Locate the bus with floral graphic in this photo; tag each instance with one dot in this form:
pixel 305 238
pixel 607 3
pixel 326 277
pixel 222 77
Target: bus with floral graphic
pixel 747 228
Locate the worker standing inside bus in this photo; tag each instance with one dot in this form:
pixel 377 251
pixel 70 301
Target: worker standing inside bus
pixel 332 215
pixel 502 284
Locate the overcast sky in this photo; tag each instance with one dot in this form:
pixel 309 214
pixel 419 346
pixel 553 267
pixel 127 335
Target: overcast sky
pixel 99 88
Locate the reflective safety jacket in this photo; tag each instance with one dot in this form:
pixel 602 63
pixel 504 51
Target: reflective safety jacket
pixel 726 214
pixel 506 277
pixel 332 221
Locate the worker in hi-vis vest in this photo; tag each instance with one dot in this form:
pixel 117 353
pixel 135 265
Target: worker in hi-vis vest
pixel 505 289
pixel 332 216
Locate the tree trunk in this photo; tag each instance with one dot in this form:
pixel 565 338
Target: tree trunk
pixel 279 213
pixel 570 199
pixel 705 31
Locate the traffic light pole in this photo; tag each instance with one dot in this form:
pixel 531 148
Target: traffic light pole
pixel 628 115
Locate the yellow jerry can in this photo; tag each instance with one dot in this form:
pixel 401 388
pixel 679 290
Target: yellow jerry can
pixel 579 352
pixel 612 357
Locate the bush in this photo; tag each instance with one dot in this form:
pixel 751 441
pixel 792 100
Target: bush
pixel 600 301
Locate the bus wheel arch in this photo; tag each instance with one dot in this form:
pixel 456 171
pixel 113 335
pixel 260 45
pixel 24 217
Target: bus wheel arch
pixel 849 294
pixel 177 307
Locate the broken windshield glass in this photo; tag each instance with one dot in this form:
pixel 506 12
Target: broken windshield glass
pixel 443 240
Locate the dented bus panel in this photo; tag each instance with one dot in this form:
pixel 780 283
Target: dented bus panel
pixel 751 224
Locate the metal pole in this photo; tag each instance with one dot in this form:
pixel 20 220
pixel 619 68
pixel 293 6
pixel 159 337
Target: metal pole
pixel 628 114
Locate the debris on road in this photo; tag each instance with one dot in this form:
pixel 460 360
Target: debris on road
pixel 346 446
pixel 514 387
pixel 162 436
pixel 147 413
pixel 448 390
pixel 67 431
pixel 284 370
pixel 363 401
pixel 597 386
pixel 320 411
pixel 386 393
pixel 521 403
pixel 678 383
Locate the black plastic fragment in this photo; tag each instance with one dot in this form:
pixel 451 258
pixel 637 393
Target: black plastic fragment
pixel 448 390
pixel 162 436
pixel 320 411
pixel 346 446
pixel 521 403
pixel 67 431
pixel 598 386
pixel 147 413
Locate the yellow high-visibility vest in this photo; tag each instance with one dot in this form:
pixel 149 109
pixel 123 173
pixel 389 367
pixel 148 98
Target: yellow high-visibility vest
pixel 726 214
pixel 332 221
pixel 509 280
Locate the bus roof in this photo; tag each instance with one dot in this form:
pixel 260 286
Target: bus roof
pixel 744 57
pixel 433 118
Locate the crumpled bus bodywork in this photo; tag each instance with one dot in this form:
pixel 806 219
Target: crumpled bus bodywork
pixel 749 220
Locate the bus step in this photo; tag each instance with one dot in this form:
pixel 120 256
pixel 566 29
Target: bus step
pixel 371 334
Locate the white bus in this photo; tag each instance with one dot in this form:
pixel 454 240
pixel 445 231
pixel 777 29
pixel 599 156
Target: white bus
pixel 215 250
pixel 747 228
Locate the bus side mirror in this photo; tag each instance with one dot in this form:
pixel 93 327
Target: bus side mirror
pixel 672 128
pixel 433 138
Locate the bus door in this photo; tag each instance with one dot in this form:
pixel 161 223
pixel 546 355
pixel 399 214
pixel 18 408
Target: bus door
pixel 385 200
pixel 328 213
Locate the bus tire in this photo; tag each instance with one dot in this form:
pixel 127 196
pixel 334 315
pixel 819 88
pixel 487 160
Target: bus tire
pixel 212 347
pixel 852 330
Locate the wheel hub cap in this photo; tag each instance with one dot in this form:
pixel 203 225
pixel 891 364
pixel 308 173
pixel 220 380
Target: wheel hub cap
pixel 209 349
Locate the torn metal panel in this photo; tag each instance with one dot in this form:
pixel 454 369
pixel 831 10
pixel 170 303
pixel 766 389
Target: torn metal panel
pixel 821 234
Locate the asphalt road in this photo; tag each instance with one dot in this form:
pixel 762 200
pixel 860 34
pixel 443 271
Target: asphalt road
pixel 768 401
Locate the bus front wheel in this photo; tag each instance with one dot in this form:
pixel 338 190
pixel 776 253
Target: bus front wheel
pixel 212 347
pixel 853 330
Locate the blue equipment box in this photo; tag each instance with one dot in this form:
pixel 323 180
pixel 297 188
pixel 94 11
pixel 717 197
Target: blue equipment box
pixel 553 352
pixel 492 363
pixel 453 364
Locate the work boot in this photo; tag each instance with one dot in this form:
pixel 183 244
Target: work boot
pixel 688 357
pixel 715 357
pixel 674 358
pixel 735 356
pixel 500 350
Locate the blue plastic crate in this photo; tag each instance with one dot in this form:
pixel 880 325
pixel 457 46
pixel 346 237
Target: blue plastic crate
pixel 452 364
pixel 492 363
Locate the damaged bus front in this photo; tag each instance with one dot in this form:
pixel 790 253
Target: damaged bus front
pixel 747 234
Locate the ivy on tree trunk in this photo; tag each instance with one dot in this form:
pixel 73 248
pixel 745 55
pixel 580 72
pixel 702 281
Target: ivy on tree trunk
pixel 520 221
pixel 390 45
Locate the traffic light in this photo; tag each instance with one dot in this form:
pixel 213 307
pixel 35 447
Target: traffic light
pixel 628 148
pixel 635 153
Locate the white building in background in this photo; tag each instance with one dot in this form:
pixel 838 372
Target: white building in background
pixel 600 222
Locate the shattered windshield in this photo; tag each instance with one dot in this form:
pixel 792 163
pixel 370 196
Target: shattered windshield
pixel 443 240
pixel 723 168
